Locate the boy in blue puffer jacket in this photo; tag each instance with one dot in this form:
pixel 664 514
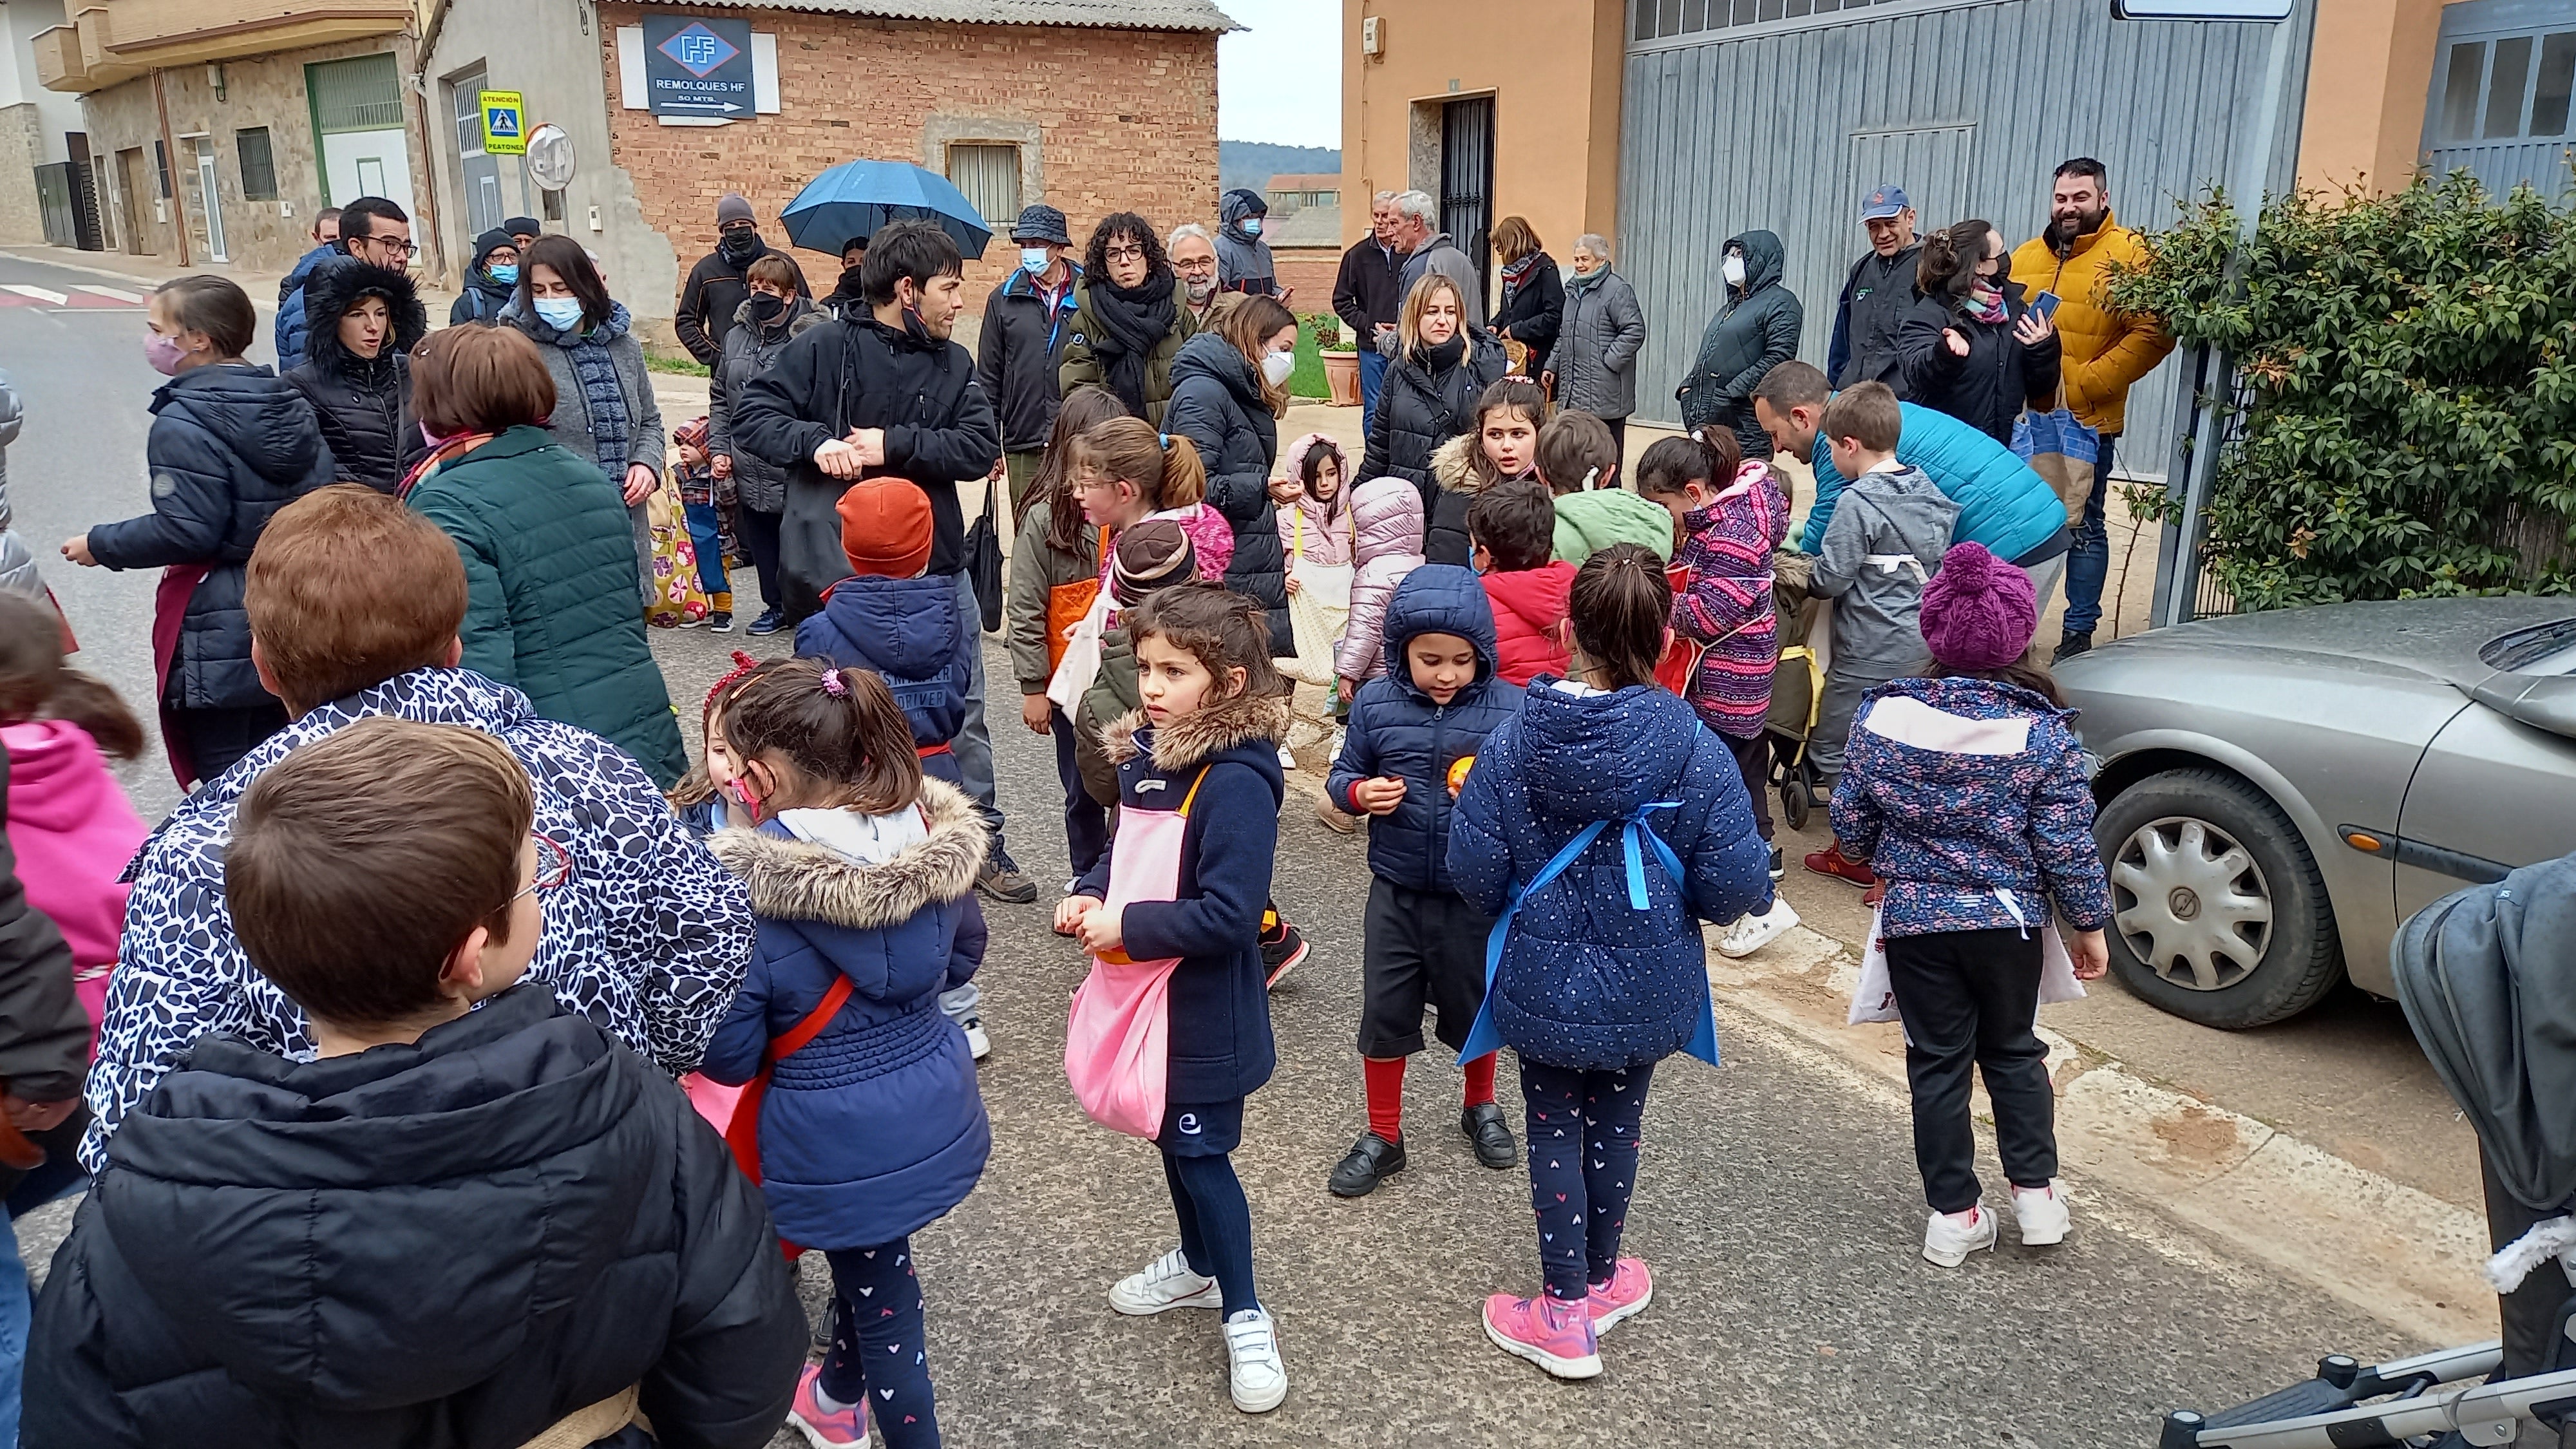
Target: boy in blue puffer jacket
pixel 890 617
pixel 1409 729
pixel 1612 824
pixel 871 1127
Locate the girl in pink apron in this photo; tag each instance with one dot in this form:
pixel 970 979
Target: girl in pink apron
pixel 1172 1029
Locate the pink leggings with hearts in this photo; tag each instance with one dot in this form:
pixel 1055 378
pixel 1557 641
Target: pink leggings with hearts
pixel 1582 1136
pixel 878 1353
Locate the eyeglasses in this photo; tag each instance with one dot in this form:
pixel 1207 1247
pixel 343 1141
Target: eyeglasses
pixel 1124 254
pixel 1197 264
pixel 554 868
pixel 395 245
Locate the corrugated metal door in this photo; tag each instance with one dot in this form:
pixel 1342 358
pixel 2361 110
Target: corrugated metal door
pixel 1739 117
pixel 2502 79
pixel 1467 175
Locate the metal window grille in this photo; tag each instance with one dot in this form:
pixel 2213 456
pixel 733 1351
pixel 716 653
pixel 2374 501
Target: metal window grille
pixel 989 175
pixel 258 164
pixel 1663 19
pixel 362 93
pixel 161 169
pixel 466 95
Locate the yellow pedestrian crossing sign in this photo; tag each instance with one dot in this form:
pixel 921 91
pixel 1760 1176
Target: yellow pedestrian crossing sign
pixel 504 133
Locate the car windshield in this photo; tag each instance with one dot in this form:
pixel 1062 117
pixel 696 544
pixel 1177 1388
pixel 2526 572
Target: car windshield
pixel 2546 649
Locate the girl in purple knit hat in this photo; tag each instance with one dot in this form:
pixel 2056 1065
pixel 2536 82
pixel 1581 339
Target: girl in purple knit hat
pixel 1965 792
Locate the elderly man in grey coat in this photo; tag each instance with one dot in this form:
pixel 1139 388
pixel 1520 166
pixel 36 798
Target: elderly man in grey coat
pixel 1427 251
pixel 1595 361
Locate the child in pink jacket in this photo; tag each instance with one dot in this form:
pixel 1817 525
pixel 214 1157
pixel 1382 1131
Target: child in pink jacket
pixel 70 825
pixel 1386 526
pixel 1316 526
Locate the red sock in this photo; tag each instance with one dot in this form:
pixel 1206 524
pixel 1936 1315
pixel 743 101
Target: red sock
pixel 1480 1079
pixel 1385 1079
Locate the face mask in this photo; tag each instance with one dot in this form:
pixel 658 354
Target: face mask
pixel 560 313
pixel 1277 366
pixel 1033 260
pixel 1734 270
pixel 738 243
pixel 765 308
pixel 163 353
pixel 506 274
pixel 1252 226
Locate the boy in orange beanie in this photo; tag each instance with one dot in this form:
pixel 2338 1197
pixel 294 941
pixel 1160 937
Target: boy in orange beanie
pixel 891 617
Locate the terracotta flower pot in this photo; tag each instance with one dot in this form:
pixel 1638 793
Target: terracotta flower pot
pixel 1342 377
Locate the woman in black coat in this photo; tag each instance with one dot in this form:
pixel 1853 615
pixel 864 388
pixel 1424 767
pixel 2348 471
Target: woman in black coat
pixel 230 445
pixel 1972 348
pixel 357 369
pixel 1533 301
pixel 1442 363
pixel 1229 388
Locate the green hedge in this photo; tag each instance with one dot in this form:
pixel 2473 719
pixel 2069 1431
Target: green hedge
pixel 2411 361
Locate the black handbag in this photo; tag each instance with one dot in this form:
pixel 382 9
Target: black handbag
pixel 984 562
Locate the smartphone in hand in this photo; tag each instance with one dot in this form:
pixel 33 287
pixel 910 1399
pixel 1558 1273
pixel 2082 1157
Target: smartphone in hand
pixel 2045 304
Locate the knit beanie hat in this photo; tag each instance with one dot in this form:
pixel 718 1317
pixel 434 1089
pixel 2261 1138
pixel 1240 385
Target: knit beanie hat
pixel 1150 556
pixel 1978 611
pixel 732 208
pixel 885 527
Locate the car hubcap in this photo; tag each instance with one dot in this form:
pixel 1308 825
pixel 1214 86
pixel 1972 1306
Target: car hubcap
pixel 2191 903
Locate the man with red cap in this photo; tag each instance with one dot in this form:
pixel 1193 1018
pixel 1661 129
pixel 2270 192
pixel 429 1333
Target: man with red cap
pixel 891 616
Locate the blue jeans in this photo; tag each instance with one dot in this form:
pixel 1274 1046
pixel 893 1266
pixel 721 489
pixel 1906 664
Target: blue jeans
pixel 15 1311
pixel 974 742
pixel 1372 380
pixel 706 535
pixel 2088 563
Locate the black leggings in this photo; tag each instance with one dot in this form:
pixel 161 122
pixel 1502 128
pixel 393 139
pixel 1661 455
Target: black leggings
pixel 1582 1135
pixel 1969 1000
pixel 1216 1224
pixel 758 533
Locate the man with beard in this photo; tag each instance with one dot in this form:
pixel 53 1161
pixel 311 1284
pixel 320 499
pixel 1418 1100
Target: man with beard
pixel 1131 313
pixel 1193 254
pixel 1877 293
pixel 716 289
pixel 2103 351
pixel 887 393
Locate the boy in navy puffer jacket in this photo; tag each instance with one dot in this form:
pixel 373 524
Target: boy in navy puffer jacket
pixel 1603 972
pixel 1966 794
pixel 890 617
pixel 1410 729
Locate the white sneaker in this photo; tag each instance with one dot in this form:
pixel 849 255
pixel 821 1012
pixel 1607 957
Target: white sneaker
pixel 1260 1379
pixel 1287 758
pixel 1948 1242
pixel 978 1044
pixel 2041 1213
pixel 1166 1283
pixel 1751 933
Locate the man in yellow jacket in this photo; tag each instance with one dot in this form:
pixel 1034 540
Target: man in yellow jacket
pixel 2104 352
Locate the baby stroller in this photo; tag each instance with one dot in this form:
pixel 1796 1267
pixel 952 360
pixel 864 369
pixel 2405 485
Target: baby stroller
pixel 2481 974
pixel 1797 686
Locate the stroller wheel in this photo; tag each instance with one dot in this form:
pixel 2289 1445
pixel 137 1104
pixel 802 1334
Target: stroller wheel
pixel 1794 800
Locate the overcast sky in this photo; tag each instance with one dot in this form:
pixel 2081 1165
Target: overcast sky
pixel 1280 80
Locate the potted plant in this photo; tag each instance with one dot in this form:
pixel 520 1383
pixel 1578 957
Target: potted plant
pixel 1341 364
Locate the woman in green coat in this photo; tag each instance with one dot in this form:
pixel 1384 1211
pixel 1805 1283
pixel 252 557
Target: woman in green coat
pixel 1131 314
pixel 549 556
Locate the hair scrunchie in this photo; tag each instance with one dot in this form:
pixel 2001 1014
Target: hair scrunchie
pixel 1164 441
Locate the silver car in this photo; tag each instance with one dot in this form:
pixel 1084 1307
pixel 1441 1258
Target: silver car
pixel 2278 791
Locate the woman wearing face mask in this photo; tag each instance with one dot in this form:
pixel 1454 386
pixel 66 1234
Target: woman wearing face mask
pixel 1754 332
pixel 490 282
pixel 604 407
pixel 1443 363
pixel 1595 362
pixel 1229 389
pixel 771 315
pixel 357 374
pixel 1971 348
pixel 1242 257
pixel 1130 315
pixel 231 444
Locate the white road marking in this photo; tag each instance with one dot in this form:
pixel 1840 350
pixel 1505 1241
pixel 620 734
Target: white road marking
pixel 109 292
pixel 39 293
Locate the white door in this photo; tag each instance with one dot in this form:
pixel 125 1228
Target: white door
pixel 367 163
pixel 212 203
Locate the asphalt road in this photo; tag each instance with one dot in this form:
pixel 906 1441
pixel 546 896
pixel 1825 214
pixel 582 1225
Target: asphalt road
pixel 1778 1204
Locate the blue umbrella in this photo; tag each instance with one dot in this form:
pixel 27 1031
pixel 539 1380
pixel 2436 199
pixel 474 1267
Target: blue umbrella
pixel 855 198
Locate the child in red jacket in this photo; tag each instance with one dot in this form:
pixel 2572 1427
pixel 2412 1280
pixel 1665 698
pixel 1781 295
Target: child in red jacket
pixel 1512 529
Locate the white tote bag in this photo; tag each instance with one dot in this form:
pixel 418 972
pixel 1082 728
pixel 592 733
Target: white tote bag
pixel 1317 612
pixel 1081 662
pixel 1874 999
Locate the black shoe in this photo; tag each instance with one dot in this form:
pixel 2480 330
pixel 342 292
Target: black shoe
pixel 720 622
pixel 1281 949
pixel 2072 645
pixel 768 623
pixel 1779 867
pixel 1484 1126
pixel 1372 1160
pixel 1003 882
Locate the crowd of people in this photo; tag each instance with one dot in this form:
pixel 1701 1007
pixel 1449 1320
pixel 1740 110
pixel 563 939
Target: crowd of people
pixel 420 982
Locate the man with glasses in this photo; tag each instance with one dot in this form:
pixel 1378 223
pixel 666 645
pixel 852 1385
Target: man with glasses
pixel 373 230
pixel 1193 252
pixel 645 934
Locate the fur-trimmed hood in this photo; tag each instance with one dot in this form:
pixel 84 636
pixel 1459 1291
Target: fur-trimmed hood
pixel 1459 468
pixel 1244 720
pixel 797 880
pixel 335 287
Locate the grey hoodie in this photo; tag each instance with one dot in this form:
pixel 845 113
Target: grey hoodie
pixel 1869 568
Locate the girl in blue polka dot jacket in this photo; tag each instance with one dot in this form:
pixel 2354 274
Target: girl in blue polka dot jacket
pixel 1604 824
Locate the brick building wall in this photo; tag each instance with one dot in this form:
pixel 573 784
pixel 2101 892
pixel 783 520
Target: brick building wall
pixel 1117 120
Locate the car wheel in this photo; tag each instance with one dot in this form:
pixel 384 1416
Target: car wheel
pixel 2218 913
